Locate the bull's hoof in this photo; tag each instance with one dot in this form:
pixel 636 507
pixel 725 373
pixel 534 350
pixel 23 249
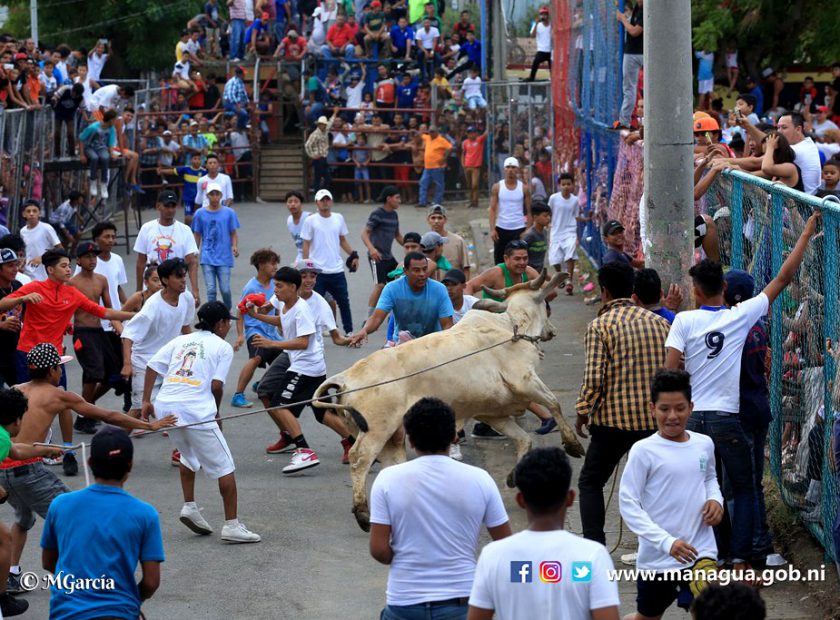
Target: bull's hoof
pixel 362 518
pixel 573 447
pixel 511 479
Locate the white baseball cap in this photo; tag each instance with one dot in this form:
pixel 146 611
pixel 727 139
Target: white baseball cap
pixel 323 193
pixel 214 187
pixel 511 161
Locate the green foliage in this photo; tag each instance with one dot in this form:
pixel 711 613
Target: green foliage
pixel 143 33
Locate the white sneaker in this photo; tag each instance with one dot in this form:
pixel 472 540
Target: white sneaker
pixel 52 462
pixel 302 458
pixel 93 188
pixel 191 517
pixel 103 191
pixel 455 452
pixel 239 534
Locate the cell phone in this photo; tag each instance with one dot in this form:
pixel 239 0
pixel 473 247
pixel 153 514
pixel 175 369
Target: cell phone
pixel 736 112
pixel 8 67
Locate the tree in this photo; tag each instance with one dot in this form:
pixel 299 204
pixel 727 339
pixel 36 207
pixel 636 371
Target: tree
pixel 769 32
pixel 143 33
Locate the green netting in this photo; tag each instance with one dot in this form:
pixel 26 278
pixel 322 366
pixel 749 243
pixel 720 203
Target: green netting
pixel 758 223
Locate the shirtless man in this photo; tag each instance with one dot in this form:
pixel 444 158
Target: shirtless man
pixel 30 485
pixel 93 349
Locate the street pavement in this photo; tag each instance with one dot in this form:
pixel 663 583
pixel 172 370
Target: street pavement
pixel 313 561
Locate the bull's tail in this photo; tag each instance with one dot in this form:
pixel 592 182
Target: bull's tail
pixel 324 400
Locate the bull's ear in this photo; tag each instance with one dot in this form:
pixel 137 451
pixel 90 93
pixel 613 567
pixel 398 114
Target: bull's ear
pixel 491 305
pixel 556 280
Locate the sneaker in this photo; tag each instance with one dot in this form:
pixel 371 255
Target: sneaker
pixel 302 458
pixel 191 517
pixel 51 462
pixel 239 534
pixel 483 431
pixel 69 464
pixel 13 584
pixel 11 606
pixel 175 459
pixel 462 437
pixel 345 458
pixel 255 386
pixel 455 452
pixel 775 559
pixel 103 191
pixel 93 188
pixel 238 400
pixel 284 444
pixel 546 427
pixel 85 425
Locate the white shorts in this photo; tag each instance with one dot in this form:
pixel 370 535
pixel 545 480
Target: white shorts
pixel 562 250
pixel 705 86
pixel 138 379
pixel 203 447
pixel 732 61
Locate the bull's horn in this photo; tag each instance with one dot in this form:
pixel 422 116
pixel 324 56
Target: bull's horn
pixel 491 305
pixel 536 284
pixel 495 292
pixel 556 280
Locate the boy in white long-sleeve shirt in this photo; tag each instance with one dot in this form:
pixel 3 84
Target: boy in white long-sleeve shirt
pixel 669 497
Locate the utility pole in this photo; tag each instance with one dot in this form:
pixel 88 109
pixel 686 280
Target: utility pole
pixel 33 18
pixel 669 154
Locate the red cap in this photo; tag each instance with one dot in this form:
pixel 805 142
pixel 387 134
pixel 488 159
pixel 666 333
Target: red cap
pixel 21 56
pixel 544 9
pixel 822 108
pixel 375 4
pixel 266 16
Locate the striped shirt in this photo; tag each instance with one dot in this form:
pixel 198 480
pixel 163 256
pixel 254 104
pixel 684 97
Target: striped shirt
pixel 625 346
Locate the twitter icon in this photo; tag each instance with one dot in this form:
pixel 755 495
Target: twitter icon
pixel 582 572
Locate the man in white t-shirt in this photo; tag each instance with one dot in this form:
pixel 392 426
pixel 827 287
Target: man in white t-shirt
pixel 193 368
pixel 542 33
pixel 563 241
pixel 97 58
pixel 166 238
pixel 215 176
pixel 471 90
pixel 324 235
pixel 294 222
pixel 109 97
pixel 792 126
pixel 165 315
pixel 426 516
pixel 39 237
pixel 455 280
pixel 712 340
pixel 544 571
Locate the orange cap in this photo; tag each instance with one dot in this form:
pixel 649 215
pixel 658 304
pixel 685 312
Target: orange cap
pixel 706 124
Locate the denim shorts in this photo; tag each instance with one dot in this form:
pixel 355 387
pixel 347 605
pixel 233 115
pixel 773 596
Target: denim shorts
pixel 31 489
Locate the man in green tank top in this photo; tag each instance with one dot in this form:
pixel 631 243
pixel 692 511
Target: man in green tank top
pixel 513 270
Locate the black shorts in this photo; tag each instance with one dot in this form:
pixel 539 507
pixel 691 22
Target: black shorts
pixel 266 355
pixel 654 597
pixel 381 269
pixel 96 354
pixel 296 387
pixel 272 380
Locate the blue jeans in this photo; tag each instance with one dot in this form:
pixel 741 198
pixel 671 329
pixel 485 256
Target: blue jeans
pixel 336 285
pixel 330 58
pixel 213 272
pixel 733 448
pixel 242 116
pixel 98 159
pixel 431 175
pixel 237 38
pixel 424 611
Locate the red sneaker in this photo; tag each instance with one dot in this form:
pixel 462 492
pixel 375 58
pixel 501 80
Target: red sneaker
pixel 284 444
pixel 176 458
pixel 345 458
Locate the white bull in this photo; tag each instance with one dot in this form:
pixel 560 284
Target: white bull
pixel 489 386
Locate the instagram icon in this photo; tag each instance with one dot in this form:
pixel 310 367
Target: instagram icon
pixel 551 572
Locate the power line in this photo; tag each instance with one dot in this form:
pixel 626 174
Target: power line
pixel 108 22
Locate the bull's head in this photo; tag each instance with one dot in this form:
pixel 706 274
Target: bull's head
pixel 524 303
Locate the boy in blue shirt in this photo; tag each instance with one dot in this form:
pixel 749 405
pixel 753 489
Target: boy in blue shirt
pixel 406 91
pixel 100 534
pixel 265 261
pixel 215 228
pixel 190 176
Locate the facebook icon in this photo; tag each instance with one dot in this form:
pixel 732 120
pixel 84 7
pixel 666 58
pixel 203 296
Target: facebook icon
pixel 520 572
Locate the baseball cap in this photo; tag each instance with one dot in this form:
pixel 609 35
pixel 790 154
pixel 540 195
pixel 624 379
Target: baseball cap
pixel 167 133
pixel 193 123
pixel 239 70
pixel 111 444
pixel 822 108
pixel 768 72
pixel 511 161
pixel 323 193
pixel 213 187
pixel 471 129
pixel 266 16
pixel 387 192
pixel 611 226
pixel 167 196
pixel 305 264
pixel 740 286
pixel 456 276
pixel 44 355
pixel 375 4
pixel 87 247
pixel 7 256
pixel 411 237
pixel 21 56
pixel 31 201
pixel 706 124
pixel 212 312
pixel 292 34
pixel 544 9
pixel 322 120
pixel 700 114
pixel 437 209
pixel 431 240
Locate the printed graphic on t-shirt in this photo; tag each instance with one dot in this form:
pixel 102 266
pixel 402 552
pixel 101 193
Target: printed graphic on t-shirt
pixel 162 247
pixel 189 354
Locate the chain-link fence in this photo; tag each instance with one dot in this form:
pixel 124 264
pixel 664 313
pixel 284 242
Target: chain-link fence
pixel 758 223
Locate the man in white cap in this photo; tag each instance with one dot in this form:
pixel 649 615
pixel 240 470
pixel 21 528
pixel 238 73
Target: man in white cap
pixel 317 147
pixel 431 244
pixel 510 209
pixel 324 235
pixel 214 175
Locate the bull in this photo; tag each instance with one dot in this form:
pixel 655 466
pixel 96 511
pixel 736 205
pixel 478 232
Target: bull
pixel 490 386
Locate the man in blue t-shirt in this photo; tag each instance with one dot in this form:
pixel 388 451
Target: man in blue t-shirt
pixel 99 534
pixel 407 91
pixel 402 39
pixel 214 228
pixel 420 306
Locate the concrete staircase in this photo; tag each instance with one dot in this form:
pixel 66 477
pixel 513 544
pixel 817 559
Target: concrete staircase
pixel 281 168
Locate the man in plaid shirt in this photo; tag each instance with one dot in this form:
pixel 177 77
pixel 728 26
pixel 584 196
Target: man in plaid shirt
pixel 235 98
pixel 625 345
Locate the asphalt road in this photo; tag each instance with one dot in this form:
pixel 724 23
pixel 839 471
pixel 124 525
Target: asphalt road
pixel 313 561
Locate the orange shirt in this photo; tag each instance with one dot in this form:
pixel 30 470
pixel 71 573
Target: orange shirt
pixel 474 151
pixel 435 156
